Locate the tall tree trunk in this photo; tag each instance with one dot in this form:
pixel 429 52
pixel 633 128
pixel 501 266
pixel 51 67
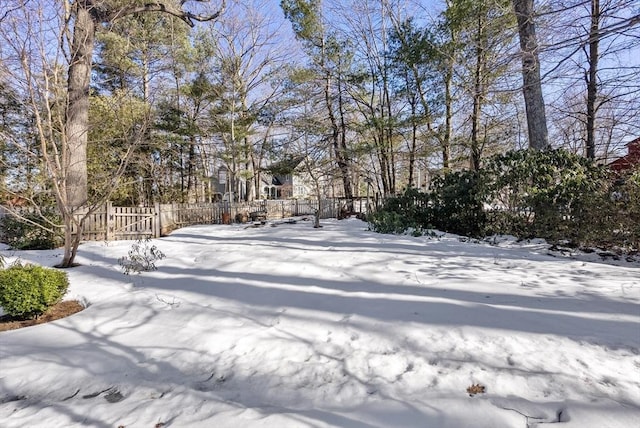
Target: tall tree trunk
pixel 592 79
pixel 383 160
pixel 532 86
pixel 77 109
pixel 338 140
pixel 342 156
pixel 388 133
pixel 448 122
pixel 414 141
pixel 478 98
pixel 191 171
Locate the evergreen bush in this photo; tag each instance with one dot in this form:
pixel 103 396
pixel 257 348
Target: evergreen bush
pixel 458 203
pixel 27 291
pixel 551 194
pixel 29 233
pixel 383 221
pixel 410 210
pixel 625 197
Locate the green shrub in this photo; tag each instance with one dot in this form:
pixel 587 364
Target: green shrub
pixel 551 194
pixel 455 204
pixel 625 197
pixel 387 222
pixel 458 203
pixel 410 210
pixel 30 233
pixel 27 291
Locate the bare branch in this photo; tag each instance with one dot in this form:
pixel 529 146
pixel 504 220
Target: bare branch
pixel 160 6
pixel 6 14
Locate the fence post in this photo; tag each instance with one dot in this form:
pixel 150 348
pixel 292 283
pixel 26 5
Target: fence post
pixel 157 221
pixel 110 220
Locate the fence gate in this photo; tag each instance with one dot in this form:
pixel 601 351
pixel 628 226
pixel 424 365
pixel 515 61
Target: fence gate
pixel 125 223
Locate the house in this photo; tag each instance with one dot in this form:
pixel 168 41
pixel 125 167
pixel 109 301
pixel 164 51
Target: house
pixel 630 160
pixel 286 179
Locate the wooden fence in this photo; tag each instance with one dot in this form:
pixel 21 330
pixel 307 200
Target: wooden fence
pixel 109 223
pixel 112 223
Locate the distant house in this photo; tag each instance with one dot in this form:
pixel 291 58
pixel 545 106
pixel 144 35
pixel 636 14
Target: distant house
pixel 630 160
pixel 286 179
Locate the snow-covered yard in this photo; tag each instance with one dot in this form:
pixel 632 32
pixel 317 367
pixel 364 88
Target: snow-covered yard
pixel 289 326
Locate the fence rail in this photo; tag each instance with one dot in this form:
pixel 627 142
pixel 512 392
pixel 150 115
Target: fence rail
pixel 110 223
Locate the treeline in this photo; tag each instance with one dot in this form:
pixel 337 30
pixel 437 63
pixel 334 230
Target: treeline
pixel 381 92
pixel 154 102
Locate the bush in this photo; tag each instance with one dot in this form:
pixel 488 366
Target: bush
pixel 458 203
pixel 29 233
pixel 27 291
pixel 411 210
pixel 625 197
pixel 388 222
pixel 142 257
pixel 551 194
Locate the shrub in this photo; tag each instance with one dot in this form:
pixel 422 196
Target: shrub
pixel 454 205
pixel 27 291
pixel 625 197
pixel 458 203
pixel 141 258
pixel 30 233
pixel 387 222
pixel 411 210
pixel 550 194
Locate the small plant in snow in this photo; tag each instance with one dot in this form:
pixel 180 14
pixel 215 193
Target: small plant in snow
pixel 142 257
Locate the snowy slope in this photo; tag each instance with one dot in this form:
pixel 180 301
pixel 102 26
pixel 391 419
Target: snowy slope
pixel 289 326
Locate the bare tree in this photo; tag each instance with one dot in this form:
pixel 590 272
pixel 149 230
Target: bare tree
pixel 35 74
pixel 249 64
pixel 84 16
pixel 597 53
pixel 37 42
pixel 532 85
pixel 310 27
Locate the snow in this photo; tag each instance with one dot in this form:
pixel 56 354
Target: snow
pixel 290 326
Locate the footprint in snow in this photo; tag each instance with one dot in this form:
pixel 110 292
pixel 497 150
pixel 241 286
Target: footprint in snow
pixel 112 395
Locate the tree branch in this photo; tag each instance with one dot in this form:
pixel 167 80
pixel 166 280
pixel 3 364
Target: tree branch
pixel 9 10
pixel 161 6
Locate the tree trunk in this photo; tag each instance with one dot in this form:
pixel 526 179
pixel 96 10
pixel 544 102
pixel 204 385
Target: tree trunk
pixel 448 126
pixel 71 240
pixel 336 140
pixel 413 147
pixel 77 109
pixel 478 96
pixel 532 86
pixel 191 171
pixel 592 80
pixel 343 158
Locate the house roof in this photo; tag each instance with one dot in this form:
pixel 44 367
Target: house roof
pixel 630 160
pixel 285 166
pixel 270 180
